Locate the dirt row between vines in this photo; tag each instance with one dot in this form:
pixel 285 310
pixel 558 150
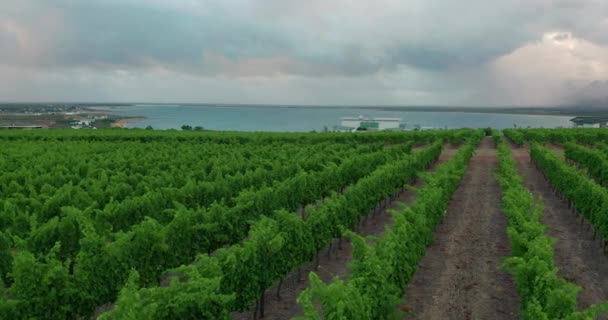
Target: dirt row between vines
pixel 459 276
pixel 335 262
pixel 578 257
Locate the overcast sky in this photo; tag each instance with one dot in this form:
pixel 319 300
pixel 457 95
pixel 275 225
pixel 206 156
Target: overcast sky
pixel 376 52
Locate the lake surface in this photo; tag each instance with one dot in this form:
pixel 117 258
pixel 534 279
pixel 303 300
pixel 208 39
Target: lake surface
pixel 255 118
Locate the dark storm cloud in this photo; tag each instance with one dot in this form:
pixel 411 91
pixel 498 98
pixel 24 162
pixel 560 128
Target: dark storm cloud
pixel 131 34
pixel 428 50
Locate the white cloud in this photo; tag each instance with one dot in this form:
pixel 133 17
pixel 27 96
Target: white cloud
pixel 549 71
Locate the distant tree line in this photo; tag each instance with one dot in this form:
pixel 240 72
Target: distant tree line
pixel 190 128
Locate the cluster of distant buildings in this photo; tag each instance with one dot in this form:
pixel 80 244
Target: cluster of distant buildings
pixel 38 108
pixel 75 119
pixel 361 123
pixel 86 122
pixel 590 122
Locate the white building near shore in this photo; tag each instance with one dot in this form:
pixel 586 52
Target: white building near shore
pixel 371 124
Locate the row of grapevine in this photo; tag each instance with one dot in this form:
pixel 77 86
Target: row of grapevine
pixel 239 275
pixel 93 268
pixel 515 135
pixel 25 163
pixel 601 147
pixel 79 211
pixel 380 272
pixel 42 234
pixel 101 265
pixel 543 294
pixel 246 191
pixel 42 183
pixel 21 210
pixel 562 135
pixel 588 198
pixel 496 135
pixel 593 161
pixel 228 138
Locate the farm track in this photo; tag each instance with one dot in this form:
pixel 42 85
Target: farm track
pixel 557 149
pixel 459 275
pixel 334 263
pixel 579 258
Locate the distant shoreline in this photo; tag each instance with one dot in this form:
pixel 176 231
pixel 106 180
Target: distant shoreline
pixel 122 122
pixel 554 111
pixel 111 108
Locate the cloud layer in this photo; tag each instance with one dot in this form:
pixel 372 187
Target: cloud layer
pixel 314 52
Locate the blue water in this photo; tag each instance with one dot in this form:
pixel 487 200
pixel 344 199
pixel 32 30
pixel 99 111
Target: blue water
pixel 247 118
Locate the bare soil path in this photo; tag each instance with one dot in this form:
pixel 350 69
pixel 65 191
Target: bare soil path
pixel 578 257
pixel 459 276
pixel 336 262
pixel 557 149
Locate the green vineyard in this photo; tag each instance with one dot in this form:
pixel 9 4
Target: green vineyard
pixel 142 224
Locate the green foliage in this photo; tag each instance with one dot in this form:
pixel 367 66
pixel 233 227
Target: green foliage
pixel 81 212
pixel 595 162
pixel 64 229
pixel 515 135
pixel 42 287
pixel 274 246
pixel 198 299
pixel 579 135
pixel 380 272
pixel 6 259
pixel 589 198
pixel 544 295
pixel 341 301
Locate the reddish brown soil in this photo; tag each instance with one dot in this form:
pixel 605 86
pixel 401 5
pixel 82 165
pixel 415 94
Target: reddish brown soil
pixel 556 148
pixel 459 276
pixel 334 263
pixel 578 257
